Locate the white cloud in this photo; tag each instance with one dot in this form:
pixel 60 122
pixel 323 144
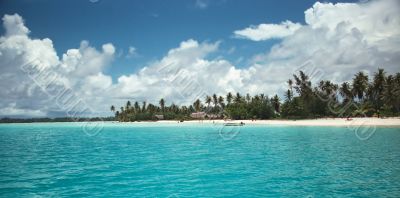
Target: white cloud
pixel 13 111
pixel 78 69
pixel 161 78
pixel 202 4
pixel 132 52
pixel 87 60
pixel 14 25
pixel 268 31
pixel 337 40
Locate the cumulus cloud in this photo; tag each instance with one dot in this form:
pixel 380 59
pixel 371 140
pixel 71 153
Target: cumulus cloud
pixel 268 31
pixel 340 39
pixel 14 25
pixel 78 69
pixel 336 41
pixel 87 60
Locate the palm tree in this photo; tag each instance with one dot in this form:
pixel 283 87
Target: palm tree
pixel 248 98
pixel 184 109
pixel 379 80
pixel 345 92
pixel 151 108
pixel 275 102
pixel 137 107
pixel 288 95
pixel 262 96
pixel 378 87
pixel 360 85
pixel 208 101
pixel 238 98
pixel 197 105
pixel 144 106
pixel 221 101
pixel 215 100
pixel 389 94
pixel 229 98
pixel 112 108
pixel 162 104
pixel 290 83
pixel 303 85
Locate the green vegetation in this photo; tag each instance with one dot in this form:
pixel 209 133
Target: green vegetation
pixel 237 107
pixel 378 97
pixel 361 97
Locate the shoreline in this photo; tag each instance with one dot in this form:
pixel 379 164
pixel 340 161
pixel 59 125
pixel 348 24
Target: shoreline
pixel 388 122
pixel 394 121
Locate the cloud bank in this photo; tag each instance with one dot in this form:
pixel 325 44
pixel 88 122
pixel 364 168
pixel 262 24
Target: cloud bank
pixel 337 41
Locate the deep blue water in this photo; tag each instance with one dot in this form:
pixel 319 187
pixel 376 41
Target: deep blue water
pixel 182 160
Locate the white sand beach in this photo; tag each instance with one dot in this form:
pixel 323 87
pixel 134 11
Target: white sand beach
pixel 312 122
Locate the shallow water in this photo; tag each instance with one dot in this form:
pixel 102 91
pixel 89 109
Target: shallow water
pixel 188 160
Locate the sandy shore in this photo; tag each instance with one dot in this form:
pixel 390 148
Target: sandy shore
pixel 313 122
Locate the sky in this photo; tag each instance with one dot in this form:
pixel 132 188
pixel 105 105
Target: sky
pixel 104 52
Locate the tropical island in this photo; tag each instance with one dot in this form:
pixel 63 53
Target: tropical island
pixel 377 96
pixel 363 96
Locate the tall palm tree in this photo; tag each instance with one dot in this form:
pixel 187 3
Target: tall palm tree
pixel 389 95
pixel 275 102
pixel 288 95
pixel 151 108
pixel 379 80
pixel 396 90
pixel 208 101
pixel 112 108
pixel 185 109
pixel 215 100
pixel 197 105
pixel 345 92
pixel 303 85
pixel 262 96
pixel 221 101
pixel 162 104
pixel 144 106
pixel 329 89
pixel 238 98
pixel 248 98
pixel 136 107
pixel 360 85
pixel 290 83
pixel 229 98
pixel 378 85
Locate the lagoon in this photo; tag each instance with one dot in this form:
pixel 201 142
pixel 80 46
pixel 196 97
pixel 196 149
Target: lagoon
pixel 193 160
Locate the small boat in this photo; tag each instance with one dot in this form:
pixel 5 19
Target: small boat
pixel 233 124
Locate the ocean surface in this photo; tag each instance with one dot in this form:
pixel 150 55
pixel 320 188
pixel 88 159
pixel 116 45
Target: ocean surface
pixel 189 160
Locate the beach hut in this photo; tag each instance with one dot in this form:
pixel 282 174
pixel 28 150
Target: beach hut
pixel 198 115
pixel 159 117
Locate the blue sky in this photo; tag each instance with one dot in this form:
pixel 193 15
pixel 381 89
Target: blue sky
pixel 219 46
pixel 153 26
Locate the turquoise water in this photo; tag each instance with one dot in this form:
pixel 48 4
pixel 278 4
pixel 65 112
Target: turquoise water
pixel 182 160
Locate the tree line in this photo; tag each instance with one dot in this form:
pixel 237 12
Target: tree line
pixel 362 96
